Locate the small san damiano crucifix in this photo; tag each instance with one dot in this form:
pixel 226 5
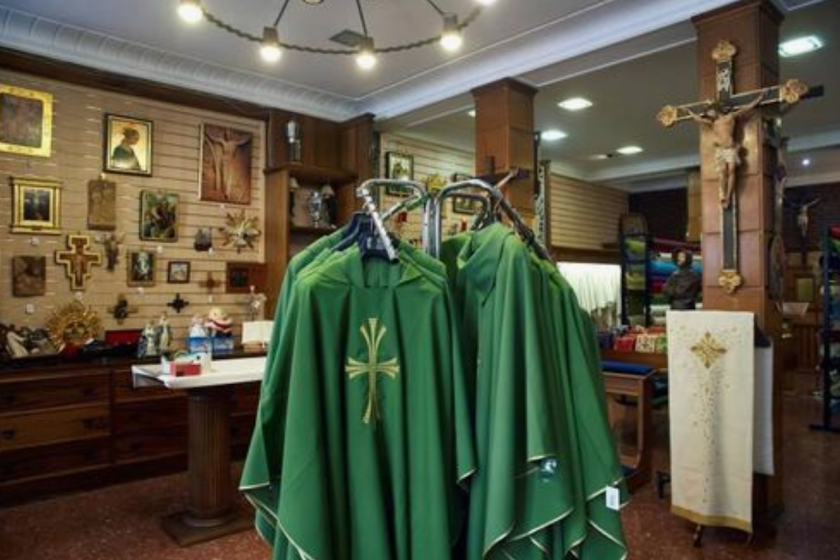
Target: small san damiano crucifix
pixel 373 334
pixel 722 116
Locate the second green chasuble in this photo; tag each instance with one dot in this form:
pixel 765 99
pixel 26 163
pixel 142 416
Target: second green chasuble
pixel 375 436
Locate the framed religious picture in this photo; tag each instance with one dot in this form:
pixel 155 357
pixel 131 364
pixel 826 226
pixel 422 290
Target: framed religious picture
pixel 36 205
pixel 141 268
pixel 464 205
pixel 178 272
pixel 398 166
pixel 29 276
pixel 102 205
pixel 25 121
pixel 159 216
pixel 225 165
pixel 242 275
pixel 128 145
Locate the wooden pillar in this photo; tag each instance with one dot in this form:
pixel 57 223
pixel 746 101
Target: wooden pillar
pixel 753 27
pixel 504 139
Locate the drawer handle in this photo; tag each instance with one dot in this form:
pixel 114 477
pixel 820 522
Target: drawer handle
pixel 9 434
pixel 9 399
pixel 88 392
pixel 93 423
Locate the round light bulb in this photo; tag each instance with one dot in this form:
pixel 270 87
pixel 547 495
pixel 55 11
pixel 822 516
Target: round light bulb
pixel 366 59
pixel 270 50
pixel 451 38
pixel 190 11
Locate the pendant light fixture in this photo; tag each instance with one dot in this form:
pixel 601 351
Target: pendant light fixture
pixel 366 53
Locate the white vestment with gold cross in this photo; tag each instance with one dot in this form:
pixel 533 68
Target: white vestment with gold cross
pixel 712 396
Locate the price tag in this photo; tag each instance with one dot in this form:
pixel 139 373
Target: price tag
pixel 613 498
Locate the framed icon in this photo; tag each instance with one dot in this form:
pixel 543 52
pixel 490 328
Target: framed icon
pixel 25 121
pixel 36 205
pixel 128 145
pixel 141 268
pixel 178 272
pixel 398 166
pixel 159 216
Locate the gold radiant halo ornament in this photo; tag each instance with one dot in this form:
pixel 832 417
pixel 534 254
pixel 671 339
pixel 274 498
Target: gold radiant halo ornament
pixel 74 323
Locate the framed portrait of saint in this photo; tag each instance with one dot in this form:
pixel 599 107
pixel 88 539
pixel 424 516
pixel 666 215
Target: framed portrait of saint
pixel 225 164
pixel 128 145
pixel 141 268
pixel 36 205
pixel 25 121
pixel 159 216
pixel 102 205
pixel 29 276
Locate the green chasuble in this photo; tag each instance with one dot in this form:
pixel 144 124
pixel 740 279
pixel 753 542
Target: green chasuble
pixel 545 454
pixel 375 435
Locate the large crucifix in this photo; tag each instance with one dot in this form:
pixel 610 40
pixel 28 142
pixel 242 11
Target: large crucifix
pixel 722 115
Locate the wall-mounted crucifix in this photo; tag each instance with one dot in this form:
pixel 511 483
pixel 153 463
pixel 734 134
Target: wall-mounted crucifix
pixel 722 116
pixel 77 260
pixel 178 303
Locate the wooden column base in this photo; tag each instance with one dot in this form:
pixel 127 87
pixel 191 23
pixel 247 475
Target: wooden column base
pixel 211 511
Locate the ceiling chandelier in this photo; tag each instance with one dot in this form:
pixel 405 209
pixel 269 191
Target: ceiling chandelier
pixel 363 47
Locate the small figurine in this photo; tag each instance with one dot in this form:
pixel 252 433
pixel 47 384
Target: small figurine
pixel 315 204
pixel 197 328
pixel 111 241
pixel 218 322
pixel 147 345
pixel 256 303
pixel 203 240
pixel 164 334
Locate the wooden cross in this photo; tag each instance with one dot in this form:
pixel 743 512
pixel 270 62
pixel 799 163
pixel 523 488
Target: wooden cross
pixel 178 303
pixel 121 310
pixel 372 368
pixel 77 261
pixel 210 284
pixel 721 115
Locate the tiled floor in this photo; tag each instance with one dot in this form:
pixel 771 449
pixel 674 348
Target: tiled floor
pixel 121 522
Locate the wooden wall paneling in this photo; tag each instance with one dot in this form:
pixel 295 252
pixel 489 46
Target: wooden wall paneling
pixel 77 158
pixel 584 216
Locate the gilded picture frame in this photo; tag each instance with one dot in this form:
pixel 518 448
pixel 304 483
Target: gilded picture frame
pixel 25 121
pixel 128 145
pixel 398 166
pixel 36 205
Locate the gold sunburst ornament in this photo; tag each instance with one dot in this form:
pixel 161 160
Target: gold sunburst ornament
pixel 74 323
pixel 241 231
pixel 708 350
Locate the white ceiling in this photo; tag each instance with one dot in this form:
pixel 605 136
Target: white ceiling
pixel 146 39
pixel 631 83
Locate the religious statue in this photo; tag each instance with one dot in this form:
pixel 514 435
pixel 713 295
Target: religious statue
pixel 197 328
pixel 803 219
pixel 111 241
pixel 203 240
pixel 721 119
pixel 147 345
pixel 256 303
pixel 120 310
pixel 685 284
pixel 330 204
pixel 164 334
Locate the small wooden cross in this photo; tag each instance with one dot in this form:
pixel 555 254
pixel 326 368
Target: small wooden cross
pixel 178 303
pixel 210 284
pixel 122 309
pixel 77 261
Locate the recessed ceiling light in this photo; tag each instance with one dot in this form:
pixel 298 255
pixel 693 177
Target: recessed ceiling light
pixel 806 162
pixel 471 113
pixel 552 135
pixel 575 104
pixel 629 150
pixel 600 157
pixel 800 45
